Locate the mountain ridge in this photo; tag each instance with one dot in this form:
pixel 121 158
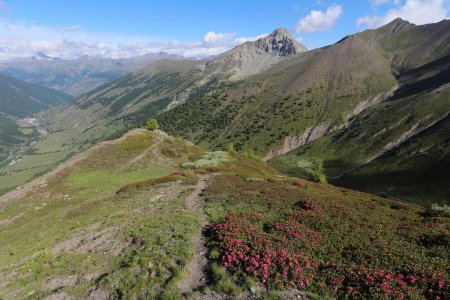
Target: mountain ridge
pixel 293 99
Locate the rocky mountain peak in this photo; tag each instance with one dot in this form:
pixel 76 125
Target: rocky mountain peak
pixel 279 42
pixel 396 26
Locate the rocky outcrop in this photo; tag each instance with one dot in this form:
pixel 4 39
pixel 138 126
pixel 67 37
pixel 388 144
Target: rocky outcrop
pixel 370 101
pixel 317 131
pixel 253 57
pixel 279 43
pixel 293 142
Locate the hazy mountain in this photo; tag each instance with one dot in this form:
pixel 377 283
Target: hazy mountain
pixel 20 99
pixel 75 76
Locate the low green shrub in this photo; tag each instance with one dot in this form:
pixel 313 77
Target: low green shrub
pixel 438 211
pixel 314 169
pixel 210 159
pixel 253 179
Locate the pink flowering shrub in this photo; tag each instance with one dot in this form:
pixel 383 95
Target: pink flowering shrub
pixel 327 240
pixel 281 254
pixel 358 282
pixel 264 255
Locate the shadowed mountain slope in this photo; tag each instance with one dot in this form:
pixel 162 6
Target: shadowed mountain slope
pixel 399 147
pixel 20 99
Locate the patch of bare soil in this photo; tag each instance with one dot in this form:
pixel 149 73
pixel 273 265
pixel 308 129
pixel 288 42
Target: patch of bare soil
pixel 60 296
pixel 11 219
pixel 97 294
pixel 60 282
pixel 92 239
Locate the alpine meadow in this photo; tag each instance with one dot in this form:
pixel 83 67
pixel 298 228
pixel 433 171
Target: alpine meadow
pixel 172 150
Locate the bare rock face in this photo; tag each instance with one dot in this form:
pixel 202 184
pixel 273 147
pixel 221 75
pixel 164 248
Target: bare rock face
pixel 254 57
pixel 279 42
pixel 293 142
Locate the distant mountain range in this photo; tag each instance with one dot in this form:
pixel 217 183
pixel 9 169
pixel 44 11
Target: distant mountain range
pixel 75 76
pixel 373 107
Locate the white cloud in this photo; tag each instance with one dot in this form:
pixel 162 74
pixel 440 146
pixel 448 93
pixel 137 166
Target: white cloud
pixel 214 38
pixel 24 39
pixel 415 11
pixel 318 20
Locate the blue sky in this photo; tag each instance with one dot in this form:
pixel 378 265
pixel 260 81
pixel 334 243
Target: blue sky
pixel 199 28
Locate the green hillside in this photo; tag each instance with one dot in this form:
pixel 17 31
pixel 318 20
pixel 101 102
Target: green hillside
pixel 125 220
pixel 21 99
pixel 399 147
pixel 377 137
pixel 12 135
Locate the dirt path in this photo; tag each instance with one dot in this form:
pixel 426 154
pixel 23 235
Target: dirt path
pixel 42 180
pixel 195 276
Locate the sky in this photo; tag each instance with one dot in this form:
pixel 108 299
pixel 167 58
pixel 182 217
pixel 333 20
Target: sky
pixel 192 28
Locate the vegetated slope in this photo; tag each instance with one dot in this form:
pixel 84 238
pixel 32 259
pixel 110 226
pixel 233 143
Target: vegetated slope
pixel 417 170
pixel 399 147
pixel 115 222
pixel 20 99
pixel 12 135
pixel 294 234
pixel 78 237
pixel 269 96
pixel 294 102
pixel 76 76
pixel 125 103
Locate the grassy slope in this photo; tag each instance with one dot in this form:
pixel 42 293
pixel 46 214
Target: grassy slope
pixel 414 163
pixel 12 135
pixel 385 144
pixel 104 113
pixel 21 99
pixel 305 91
pixel 416 171
pixel 77 225
pixel 79 237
